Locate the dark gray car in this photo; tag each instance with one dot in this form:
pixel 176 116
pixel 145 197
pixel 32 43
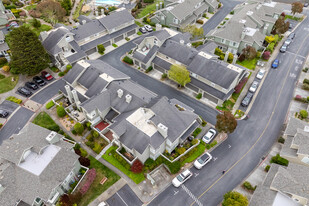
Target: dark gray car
pixel 246 101
pixel 3 113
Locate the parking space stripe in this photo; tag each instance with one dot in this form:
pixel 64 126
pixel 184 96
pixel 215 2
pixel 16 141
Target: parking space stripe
pixel 122 199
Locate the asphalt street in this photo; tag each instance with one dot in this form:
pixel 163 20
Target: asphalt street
pixel 124 197
pixel 8 106
pixel 15 123
pixel 253 138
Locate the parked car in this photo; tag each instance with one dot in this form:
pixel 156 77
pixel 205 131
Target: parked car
pixel 291 36
pixel 275 64
pixel 209 135
pixel 11 25
pixel 39 80
pixel 3 113
pixel 24 91
pixel 254 86
pixel 31 85
pixel 143 30
pixel 290 26
pixel 260 74
pixel 306 4
pixel 246 101
pixel 283 48
pixel 148 28
pixel 102 204
pixel 288 42
pixel 202 160
pixel 46 75
pixel 181 178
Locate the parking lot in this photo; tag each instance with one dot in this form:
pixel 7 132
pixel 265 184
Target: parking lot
pixel 124 197
pixel 8 106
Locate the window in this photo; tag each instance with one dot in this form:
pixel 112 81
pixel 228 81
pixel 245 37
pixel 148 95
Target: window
pixel 162 18
pixel 175 20
pixel 222 40
pixel 68 38
pixel 152 150
pixel 155 41
pixel 305 160
pixel 168 142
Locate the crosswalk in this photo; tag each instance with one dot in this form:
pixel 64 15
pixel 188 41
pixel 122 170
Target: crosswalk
pixel 191 195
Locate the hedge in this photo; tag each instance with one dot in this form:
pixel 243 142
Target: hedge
pixel 148 69
pixel 60 111
pixel 199 96
pixel 279 160
pixel 50 104
pixel 14 99
pixel 196 132
pixel 128 60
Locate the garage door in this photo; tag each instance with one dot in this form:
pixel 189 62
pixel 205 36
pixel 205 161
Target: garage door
pixel 160 69
pixel 91 51
pixel 211 98
pixel 118 38
pixel 106 44
pixel 131 32
pixel 190 86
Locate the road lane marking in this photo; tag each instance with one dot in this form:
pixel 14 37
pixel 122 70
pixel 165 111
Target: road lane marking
pixel 267 125
pixel 215 158
pixel 191 195
pixel 121 199
pixel 175 192
pixel 196 174
pixel 230 146
pixel 296 55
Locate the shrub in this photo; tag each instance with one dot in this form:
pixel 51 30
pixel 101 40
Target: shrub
pixel 306 81
pixel 6 68
pixel 3 61
pixel 95 134
pixel 303 114
pixel 200 21
pixel 194 141
pixel 164 76
pixel 61 111
pixel 101 49
pixel 258 54
pixel 232 12
pixel 83 152
pixel 199 96
pixel 91 174
pixel 270 47
pixel 230 58
pixel 128 60
pixel 204 15
pixel 281 140
pixel 36 23
pixel 221 57
pixel 88 125
pixel 2 76
pixel 69 66
pixel 305 86
pixel 266 55
pixel 61 74
pixel 240 85
pixel 241 58
pixel 305 69
pixel 84 161
pixel 50 104
pixel 139 33
pixel 148 1
pixel 279 160
pixel 298 98
pixel 267 168
pixel 137 166
pixel 1 125
pixel 196 132
pixel 120 159
pixel 74 132
pixel 115 45
pixel 180 150
pixel 97 148
pixel 148 69
pixel 54 69
pixel 127 38
pixel 247 185
pixel 218 52
pixel 79 128
pixel 14 99
pixel 61 132
pixel 219 5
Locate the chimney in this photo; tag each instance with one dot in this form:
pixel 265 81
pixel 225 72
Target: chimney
pixel 243 33
pixel 158 27
pixel 84 22
pixel 157 7
pixel 161 5
pixel 128 98
pixel 52 137
pixel 43 35
pixel 77 24
pixel 75 96
pixel 226 56
pixel 189 45
pixel 182 42
pixel 162 129
pixel 120 93
pixel 68 90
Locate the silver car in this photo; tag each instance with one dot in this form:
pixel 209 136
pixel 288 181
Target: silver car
pixel 254 86
pixel 202 160
pixel 209 135
pixel 260 74
pixel 288 42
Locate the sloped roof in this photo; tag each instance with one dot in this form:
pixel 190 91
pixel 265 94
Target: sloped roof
pixel 116 19
pixel 88 29
pixel 50 43
pixel 184 9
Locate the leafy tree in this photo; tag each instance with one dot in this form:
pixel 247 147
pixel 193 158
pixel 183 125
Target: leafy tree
pixel 266 55
pixel 137 166
pixel 303 114
pixel 79 128
pixel 280 26
pixel 101 49
pixel 28 54
pixel 249 52
pixel 36 23
pixel 226 122
pixel 51 10
pixel 297 7
pixel 60 111
pixel 234 198
pixel 67 5
pixel 194 31
pixel 179 74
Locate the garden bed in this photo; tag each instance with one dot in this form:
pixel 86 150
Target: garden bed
pixel 95 142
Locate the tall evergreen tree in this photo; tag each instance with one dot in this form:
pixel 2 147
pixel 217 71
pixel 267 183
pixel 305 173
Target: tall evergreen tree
pixel 28 54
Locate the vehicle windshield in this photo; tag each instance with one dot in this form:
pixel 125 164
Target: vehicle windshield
pixel 180 178
pixel 261 73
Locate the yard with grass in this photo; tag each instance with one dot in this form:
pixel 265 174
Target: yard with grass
pixel 96 188
pixel 6 84
pixel 249 64
pixel 37 31
pixel 44 120
pixel 137 178
pixel 293 18
pixel 146 10
pixel 32 6
pixel 197 151
pixel 139 24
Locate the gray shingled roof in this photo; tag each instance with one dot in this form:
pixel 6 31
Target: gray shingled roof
pixel 96 87
pixel 214 92
pixel 146 58
pixel 116 19
pixel 50 43
pixel 184 9
pixel 76 70
pixel 100 101
pixel 23 185
pixel 83 17
pixel 161 35
pixel 78 55
pixel 293 125
pixel 88 29
pixel 286 149
pixel 209 47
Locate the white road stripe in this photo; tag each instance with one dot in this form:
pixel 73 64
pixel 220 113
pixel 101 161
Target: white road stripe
pixel 121 199
pixel 191 195
pixel 296 54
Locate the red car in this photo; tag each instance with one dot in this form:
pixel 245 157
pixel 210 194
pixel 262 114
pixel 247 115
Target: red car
pixel 47 75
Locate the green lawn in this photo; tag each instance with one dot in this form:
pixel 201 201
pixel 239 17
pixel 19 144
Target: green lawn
pixel 139 24
pixel 227 105
pixel 200 150
pixel 149 8
pixel 96 188
pixel 37 31
pixel 6 84
pixel 293 18
pixel 44 120
pixel 33 6
pixel 137 178
pixel 249 64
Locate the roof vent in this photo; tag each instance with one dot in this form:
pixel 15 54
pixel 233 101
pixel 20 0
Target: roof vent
pixel 306 129
pixel 189 44
pixel 120 93
pixel 51 137
pixel 128 98
pixel 182 42
pixel 84 21
pixel 162 129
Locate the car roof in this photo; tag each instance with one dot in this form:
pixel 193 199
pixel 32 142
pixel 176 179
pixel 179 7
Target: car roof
pixel 205 156
pixel 186 172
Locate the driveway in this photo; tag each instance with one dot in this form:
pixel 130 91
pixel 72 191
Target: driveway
pixel 124 197
pixel 15 123
pixel 8 106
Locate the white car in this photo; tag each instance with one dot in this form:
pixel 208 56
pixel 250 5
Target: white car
pixel 254 86
pixel 182 177
pixel 103 204
pixel 148 28
pixel 209 135
pixel 202 160
pixel 260 74
pixel 288 42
